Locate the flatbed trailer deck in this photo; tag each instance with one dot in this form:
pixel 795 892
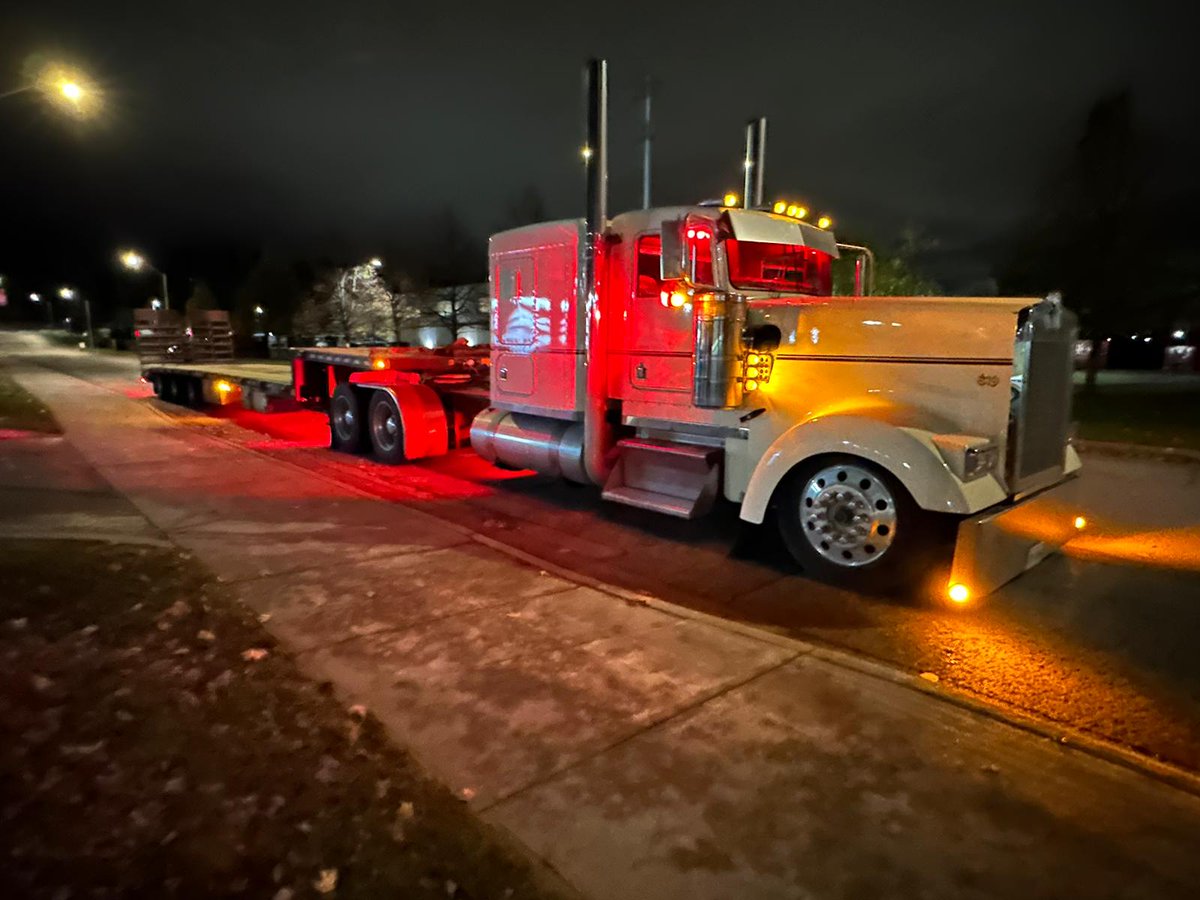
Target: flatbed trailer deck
pixel 449 384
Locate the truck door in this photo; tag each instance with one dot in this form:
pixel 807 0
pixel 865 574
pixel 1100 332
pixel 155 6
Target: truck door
pixel 658 336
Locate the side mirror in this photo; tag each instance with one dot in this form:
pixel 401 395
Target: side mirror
pixel 673 263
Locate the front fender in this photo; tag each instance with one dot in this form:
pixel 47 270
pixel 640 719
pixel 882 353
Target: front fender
pixel 906 453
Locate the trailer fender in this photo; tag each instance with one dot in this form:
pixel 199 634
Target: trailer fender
pixel 421 412
pixel 908 454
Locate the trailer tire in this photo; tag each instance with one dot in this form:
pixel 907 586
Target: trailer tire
pixel 193 389
pixel 386 427
pixel 173 389
pixel 849 523
pixel 347 410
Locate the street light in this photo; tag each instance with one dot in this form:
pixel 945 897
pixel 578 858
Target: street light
pixel 135 262
pixel 375 262
pixel 68 293
pixel 37 299
pixel 65 87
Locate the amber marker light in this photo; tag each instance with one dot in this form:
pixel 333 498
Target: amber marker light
pixel 824 222
pixel 959 593
pixel 731 199
pixel 1080 523
pixel 780 207
pixel 380 363
pixel 224 387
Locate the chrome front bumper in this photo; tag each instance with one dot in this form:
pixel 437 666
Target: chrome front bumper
pixel 998 544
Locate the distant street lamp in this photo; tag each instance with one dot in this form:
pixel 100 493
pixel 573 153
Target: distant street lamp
pixel 135 262
pixel 375 262
pixel 65 87
pixel 68 293
pixel 37 298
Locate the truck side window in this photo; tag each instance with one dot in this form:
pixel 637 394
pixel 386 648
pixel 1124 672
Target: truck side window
pixel 649 265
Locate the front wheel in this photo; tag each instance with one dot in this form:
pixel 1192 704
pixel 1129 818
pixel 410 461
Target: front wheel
pixel 850 523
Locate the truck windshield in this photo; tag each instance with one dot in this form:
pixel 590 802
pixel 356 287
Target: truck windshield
pixel 755 266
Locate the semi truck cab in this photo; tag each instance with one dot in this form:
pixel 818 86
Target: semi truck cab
pixel 709 347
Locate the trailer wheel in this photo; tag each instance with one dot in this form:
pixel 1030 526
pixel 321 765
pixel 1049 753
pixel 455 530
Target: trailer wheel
pixel 172 389
pixel 850 523
pixel 386 428
pixel 346 414
pixel 193 392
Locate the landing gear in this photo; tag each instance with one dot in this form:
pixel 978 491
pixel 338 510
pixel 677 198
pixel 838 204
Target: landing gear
pixel 346 414
pixel 386 428
pixel 850 523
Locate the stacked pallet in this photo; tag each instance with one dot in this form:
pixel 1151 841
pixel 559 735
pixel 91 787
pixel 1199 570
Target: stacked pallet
pixel 163 336
pixel 160 335
pixel 211 336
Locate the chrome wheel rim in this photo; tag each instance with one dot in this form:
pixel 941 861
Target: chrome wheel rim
pixel 385 426
pixel 343 418
pixel 848 515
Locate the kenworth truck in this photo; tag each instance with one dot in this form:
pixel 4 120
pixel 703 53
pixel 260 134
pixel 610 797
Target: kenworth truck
pixel 672 356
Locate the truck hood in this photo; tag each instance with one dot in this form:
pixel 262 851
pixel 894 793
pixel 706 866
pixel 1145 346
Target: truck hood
pixel 904 329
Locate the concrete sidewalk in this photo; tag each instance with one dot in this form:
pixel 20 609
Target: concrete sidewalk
pixel 641 753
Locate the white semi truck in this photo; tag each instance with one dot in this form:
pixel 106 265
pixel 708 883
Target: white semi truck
pixel 671 356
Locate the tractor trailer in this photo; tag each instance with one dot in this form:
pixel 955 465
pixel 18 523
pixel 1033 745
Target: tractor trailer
pixel 672 356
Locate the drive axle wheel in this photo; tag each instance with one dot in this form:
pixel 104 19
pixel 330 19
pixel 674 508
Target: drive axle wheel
pixel 847 522
pixel 346 414
pixel 386 428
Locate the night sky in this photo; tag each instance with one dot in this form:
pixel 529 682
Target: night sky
pixel 350 128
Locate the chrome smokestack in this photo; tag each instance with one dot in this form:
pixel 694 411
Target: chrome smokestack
pixel 755 162
pixel 596 432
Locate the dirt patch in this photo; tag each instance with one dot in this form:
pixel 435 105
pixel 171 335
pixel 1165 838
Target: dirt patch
pixel 158 742
pixel 21 411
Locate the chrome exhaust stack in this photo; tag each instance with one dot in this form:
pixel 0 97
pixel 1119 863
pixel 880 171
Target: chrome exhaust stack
pixel 597 434
pixel 755 162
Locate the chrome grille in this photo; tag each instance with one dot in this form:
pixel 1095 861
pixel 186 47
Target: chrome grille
pixel 1040 413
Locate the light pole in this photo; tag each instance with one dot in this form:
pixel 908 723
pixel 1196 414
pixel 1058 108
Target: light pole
pixel 135 262
pixel 71 294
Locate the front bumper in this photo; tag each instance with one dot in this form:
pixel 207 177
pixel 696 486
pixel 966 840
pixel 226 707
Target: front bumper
pixel 998 544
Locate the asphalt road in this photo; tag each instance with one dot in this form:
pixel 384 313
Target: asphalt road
pixel 1102 640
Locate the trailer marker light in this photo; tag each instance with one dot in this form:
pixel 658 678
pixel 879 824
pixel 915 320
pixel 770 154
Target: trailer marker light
pixel 792 210
pixel 731 199
pixel 780 207
pixel 1080 523
pixel 824 222
pixel 959 593
pixel 801 212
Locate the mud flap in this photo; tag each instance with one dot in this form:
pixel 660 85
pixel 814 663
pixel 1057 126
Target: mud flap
pixel 998 544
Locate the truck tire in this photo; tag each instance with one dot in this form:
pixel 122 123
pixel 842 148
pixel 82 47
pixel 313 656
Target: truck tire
pixel 346 415
pixel 386 428
pixel 849 523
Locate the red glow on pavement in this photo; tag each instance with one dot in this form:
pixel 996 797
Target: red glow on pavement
pixel 16 434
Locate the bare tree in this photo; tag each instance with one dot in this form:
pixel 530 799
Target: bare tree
pixel 456 308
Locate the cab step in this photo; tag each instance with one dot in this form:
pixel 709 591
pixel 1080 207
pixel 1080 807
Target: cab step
pixel 665 476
